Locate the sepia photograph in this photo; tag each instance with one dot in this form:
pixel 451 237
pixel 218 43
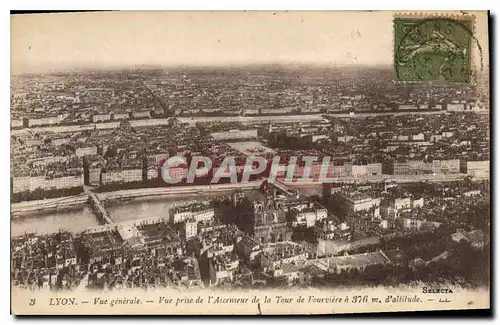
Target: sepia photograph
pixel 249 162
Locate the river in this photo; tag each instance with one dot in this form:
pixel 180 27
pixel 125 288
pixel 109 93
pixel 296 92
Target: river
pixel 148 207
pixel 74 220
pixel 79 218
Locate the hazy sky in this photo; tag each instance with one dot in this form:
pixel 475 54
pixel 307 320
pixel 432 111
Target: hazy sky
pixel 54 41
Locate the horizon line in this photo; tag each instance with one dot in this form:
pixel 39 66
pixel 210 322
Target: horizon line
pixel 83 68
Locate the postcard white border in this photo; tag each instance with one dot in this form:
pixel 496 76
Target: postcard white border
pixel 203 5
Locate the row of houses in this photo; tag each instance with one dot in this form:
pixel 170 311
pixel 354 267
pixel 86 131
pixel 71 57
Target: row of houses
pixel 28 183
pixel 58 119
pixel 451 166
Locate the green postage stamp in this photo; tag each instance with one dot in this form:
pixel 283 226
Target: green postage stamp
pixel 430 49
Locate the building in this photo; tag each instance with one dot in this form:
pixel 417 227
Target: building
pixel 275 111
pixel 283 260
pixel 158 234
pixel 235 135
pixel 348 263
pixel 43 162
pixel 95 176
pixel 329 247
pixel 307 214
pixel 38 260
pixel 275 255
pixel 152 172
pixel 142 114
pixel 86 151
pixel 46 183
pixel 221 267
pixel 60 141
pixel 446 166
pixel 16 123
pixel 261 214
pixel 350 202
pixel 248 248
pixel 472 193
pixel 413 223
pixel 199 211
pixel 455 107
pixel 407 107
pixel 190 228
pixel 327 229
pixel 411 167
pixel 418 137
pixel 102 241
pixel 49 120
pixel 188 274
pixel 391 209
pixel 249 111
pixel 402 203
pixel 111 177
pixel 101 118
pixel 121 116
pixel 366 170
pixel 476 168
pixel 132 175
pixel 121 176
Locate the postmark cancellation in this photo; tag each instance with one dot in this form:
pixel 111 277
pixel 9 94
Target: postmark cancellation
pixel 429 47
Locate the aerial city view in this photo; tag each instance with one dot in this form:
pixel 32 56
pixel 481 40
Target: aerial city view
pixel 407 198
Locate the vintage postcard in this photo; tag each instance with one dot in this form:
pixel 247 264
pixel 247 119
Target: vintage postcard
pixel 249 162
